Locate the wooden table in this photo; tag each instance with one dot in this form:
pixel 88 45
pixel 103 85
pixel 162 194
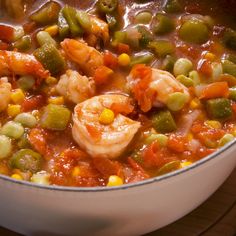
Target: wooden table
pixel 215 217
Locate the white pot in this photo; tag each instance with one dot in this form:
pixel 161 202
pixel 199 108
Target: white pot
pixel 133 209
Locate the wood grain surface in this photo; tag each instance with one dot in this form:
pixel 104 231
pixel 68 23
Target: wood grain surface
pixel 215 217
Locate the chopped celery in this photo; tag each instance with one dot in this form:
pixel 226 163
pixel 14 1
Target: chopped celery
pixel 23 44
pixel 55 117
pixel 26 160
pixel 163 122
pixel 219 108
pixel 51 58
pixel 46 15
pixel 64 29
pixel 44 37
pixel 162 47
pixel 162 24
pixel 84 20
pixel 70 15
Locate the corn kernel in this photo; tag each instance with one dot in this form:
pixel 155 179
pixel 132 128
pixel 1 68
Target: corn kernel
pixel 213 124
pixel 195 103
pixel 106 117
pixel 17 177
pixel 17 96
pixel 56 100
pixel 209 56
pixel 185 164
pixel 114 180
pixel 51 80
pixel 190 136
pixel 13 110
pixel 52 30
pixel 76 171
pixel 124 59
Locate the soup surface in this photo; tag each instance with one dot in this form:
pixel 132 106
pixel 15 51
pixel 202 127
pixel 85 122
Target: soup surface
pixel 107 92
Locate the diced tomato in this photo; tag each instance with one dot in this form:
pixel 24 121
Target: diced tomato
pixel 32 103
pixel 4 46
pixel 204 67
pixel 176 143
pixel 110 60
pixel 123 48
pixel 107 167
pixel 215 90
pixel 75 153
pixel 6 33
pixel 102 74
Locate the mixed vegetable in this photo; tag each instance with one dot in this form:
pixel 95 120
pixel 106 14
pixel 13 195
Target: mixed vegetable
pixel 108 92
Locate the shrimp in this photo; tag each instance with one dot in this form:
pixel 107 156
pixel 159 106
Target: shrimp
pixel 151 87
pixel 99 29
pixel 104 141
pixel 75 87
pixel 87 58
pixel 5 93
pixel 12 62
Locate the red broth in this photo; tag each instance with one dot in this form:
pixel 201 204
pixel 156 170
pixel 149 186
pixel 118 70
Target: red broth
pixel 105 93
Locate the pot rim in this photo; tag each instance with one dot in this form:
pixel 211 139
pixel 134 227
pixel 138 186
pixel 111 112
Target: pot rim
pixel 125 186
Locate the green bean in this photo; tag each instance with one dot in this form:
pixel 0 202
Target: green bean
pixel 168 63
pixel 194 31
pixel 226 139
pixel 26 119
pixel 26 160
pixel 219 108
pixel 182 67
pixel 229 38
pixel 169 167
pixel 173 6
pixel 160 138
pixel 107 6
pixel 44 37
pixel 229 67
pixel 162 24
pixel 23 43
pixel 26 82
pixel 46 15
pixel 176 101
pixel 55 117
pixel 146 36
pixel 12 129
pixel 163 122
pixel 5 146
pixel 50 58
pixel 143 17
pixel 186 81
pixel 70 15
pixel 84 20
pixel 162 47
pixel 64 29
pixel 142 59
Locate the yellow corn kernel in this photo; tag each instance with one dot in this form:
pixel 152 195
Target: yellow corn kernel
pixel 124 59
pixel 52 30
pixel 76 171
pixel 17 177
pixel 51 80
pixel 114 180
pixel 17 96
pixel 56 100
pixel 13 110
pixel 106 117
pixel 213 124
pixel 185 164
pixel 210 56
pixel 195 103
pixel 190 136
